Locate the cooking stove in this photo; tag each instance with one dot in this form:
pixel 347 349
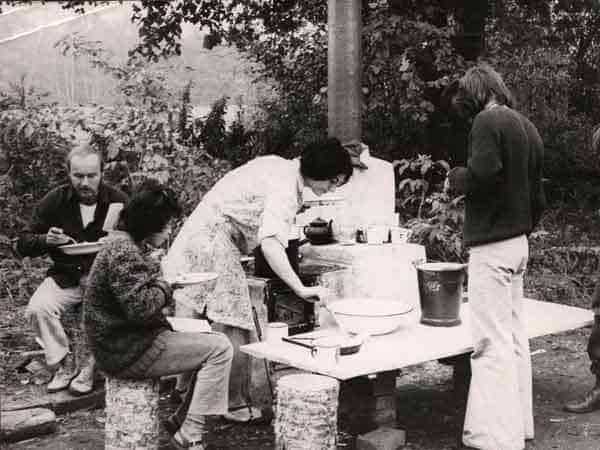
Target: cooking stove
pixel 283 305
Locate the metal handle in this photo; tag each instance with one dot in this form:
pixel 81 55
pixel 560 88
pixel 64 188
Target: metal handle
pixel 301 344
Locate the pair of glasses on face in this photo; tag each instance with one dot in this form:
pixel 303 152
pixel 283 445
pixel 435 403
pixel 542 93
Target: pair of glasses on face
pixel 338 181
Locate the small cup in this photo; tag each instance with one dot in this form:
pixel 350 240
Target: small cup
pixel 346 234
pixel 377 234
pixel 399 234
pixel 276 331
pixel 327 351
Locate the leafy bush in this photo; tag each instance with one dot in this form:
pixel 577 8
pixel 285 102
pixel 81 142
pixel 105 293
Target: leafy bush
pixel 434 217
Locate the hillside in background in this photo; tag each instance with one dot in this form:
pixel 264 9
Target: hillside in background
pixel 28 56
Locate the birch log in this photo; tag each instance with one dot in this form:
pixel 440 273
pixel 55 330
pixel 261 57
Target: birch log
pixel 132 421
pixel 306 412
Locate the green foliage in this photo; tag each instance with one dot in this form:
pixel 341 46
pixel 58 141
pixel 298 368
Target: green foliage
pixel 433 215
pixel 140 138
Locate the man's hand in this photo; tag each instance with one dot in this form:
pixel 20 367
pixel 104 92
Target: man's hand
pixel 56 237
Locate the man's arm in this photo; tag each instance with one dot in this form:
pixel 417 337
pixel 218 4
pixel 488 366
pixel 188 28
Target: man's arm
pixel 32 240
pixel 485 160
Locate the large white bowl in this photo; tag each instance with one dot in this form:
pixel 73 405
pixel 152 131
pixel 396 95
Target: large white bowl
pixel 369 316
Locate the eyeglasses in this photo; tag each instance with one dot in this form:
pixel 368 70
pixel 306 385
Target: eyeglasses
pixel 338 181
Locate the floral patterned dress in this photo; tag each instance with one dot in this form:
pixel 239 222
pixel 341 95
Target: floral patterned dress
pixel 257 200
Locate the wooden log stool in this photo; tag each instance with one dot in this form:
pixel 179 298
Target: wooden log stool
pixel 306 412
pixel 132 420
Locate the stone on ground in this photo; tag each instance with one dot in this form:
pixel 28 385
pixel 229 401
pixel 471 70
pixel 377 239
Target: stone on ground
pixel 382 438
pixel 26 423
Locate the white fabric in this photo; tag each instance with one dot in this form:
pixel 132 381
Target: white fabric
pixel 45 308
pixel 499 412
pixel 87 213
pixel 260 199
pixel 369 198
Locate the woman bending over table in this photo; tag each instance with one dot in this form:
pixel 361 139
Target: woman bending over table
pixel 254 204
pixel 127 330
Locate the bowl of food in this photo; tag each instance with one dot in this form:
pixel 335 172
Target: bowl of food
pixel 369 316
pixel 81 248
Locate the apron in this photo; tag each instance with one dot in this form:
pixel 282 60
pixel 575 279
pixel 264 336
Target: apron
pixel 207 243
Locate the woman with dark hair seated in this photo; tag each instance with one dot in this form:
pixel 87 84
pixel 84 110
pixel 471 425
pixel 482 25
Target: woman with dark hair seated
pixel 253 205
pixel 128 333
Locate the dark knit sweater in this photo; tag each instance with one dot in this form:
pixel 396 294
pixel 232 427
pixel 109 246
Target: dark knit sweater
pixel 122 304
pixel 503 177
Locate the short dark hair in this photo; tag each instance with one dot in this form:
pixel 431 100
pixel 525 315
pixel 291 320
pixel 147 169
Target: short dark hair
pixel 325 160
pixel 83 150
pixel 150 209
pixel 482 83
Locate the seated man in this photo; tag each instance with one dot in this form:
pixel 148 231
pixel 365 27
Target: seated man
pixel 73 212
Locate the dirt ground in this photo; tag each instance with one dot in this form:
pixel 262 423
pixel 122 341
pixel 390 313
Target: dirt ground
pixel 428 409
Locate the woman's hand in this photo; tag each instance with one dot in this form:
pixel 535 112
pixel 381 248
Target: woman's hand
pixel 314 293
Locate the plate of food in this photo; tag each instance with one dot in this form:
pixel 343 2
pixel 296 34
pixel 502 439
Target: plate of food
pixel 191 278
pixel 81 248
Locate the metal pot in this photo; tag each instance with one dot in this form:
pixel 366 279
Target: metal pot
pixel 440 293
pixel 319 232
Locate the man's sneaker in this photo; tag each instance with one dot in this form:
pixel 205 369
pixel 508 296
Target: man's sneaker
pixel 590 403
pixel 84 382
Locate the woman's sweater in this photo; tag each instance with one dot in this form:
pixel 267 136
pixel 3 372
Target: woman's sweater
pixel 122 304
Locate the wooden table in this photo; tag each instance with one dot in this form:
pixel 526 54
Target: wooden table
pixel 381 357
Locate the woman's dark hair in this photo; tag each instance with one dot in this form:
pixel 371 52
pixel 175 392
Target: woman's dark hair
pixel 325 160
pixel 149 211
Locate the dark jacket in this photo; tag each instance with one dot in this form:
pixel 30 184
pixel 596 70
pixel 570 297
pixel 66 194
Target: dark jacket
pixel 122 304
pixel 60 208
pixel 503 177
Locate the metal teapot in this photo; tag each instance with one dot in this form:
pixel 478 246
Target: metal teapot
pixel 319 231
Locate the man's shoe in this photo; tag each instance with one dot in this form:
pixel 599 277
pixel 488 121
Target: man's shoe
pixel 61 379
pixel 83 383
pixel 590 403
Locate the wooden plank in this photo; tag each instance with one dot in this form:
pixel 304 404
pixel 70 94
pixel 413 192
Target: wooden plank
pixel 60 402
pixel 24 424
pixel 416 343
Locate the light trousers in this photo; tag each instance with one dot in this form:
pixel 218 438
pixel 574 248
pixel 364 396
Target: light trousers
pixel 499 413
pixel 44 312
pixel 208 354
pixel 239 381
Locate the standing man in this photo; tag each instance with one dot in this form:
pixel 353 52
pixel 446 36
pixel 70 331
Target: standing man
pixel 73 212
pixel 591 402
pixel 504 201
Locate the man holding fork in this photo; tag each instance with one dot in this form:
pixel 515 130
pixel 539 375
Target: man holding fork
pixel 71 213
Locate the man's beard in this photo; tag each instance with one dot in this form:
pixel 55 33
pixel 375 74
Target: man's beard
pixel 87 196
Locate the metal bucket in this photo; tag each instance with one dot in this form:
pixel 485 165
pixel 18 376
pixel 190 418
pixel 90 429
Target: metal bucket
pixel 440 292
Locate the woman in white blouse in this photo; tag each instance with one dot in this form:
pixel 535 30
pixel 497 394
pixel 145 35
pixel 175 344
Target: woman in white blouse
pixel 254 204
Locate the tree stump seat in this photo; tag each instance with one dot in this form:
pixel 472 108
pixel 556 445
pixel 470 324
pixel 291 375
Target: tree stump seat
pixel 306 412
pixel 132 420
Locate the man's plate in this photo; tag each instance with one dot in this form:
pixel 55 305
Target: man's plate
pixel 190 278
pixel 81 248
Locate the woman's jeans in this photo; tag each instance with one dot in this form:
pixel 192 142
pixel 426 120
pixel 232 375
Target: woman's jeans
pixel 209 354
pixel 499 412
